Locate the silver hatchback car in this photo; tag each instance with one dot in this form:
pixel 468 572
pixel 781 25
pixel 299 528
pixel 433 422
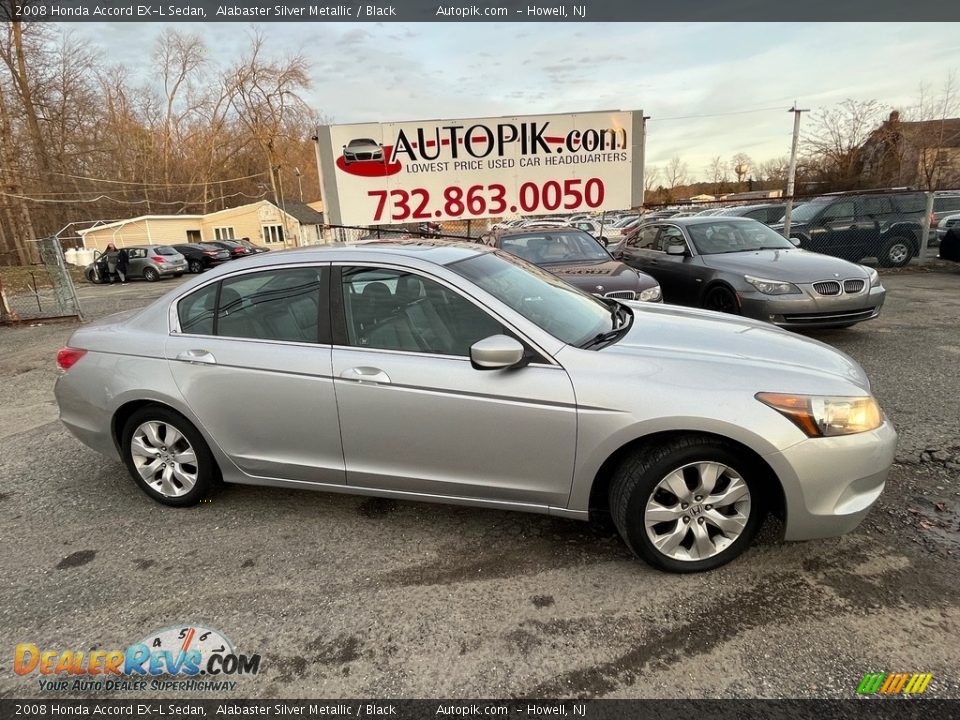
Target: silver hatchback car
pixel 457 373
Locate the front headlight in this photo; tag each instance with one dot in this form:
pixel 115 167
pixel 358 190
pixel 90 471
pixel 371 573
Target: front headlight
pixel 826 416
pixel 874 277
pixel 772 287
pixel 650 294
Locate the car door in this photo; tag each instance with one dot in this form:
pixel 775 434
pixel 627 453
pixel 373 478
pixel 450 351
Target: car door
pixel 136 261
pixel 680 276
pixel 251 356
pixel 835 231
pixel 873 213
pixel 640 249
pixel 416 417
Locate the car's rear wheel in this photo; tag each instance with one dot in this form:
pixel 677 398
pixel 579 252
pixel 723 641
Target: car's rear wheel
pixel 693 503
pixel 721 299
pixel 196 267
pixel 150 274
pixel 896 252
pixel 167 457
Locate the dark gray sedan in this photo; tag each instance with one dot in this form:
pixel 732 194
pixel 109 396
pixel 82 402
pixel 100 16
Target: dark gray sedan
pixel 579 259
pixel 740 266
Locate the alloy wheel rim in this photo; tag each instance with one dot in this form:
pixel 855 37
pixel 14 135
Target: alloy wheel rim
pixel 164 458
pixel 697 511
pixel 898 253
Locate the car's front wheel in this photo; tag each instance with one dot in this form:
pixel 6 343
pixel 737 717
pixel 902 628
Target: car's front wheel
pixel 721 299
pixel 691 504
pixel 167 457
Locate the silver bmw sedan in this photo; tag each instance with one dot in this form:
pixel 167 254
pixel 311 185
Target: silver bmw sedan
pixel 427 370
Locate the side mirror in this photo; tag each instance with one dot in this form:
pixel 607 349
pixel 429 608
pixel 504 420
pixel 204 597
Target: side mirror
pixel 676 249
pixel 496 352
pixel 795 241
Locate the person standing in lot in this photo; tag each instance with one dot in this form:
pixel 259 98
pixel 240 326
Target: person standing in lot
pixel 123 262
pixel 110 254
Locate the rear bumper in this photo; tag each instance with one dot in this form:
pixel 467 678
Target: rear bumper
pixel 830 484
pixel 171 269
pixel 808 310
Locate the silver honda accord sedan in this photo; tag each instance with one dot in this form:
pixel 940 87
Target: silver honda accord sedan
pixel 456 373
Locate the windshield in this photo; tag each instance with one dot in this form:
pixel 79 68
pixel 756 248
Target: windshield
pixel 544 299
pixel 729 236
pixel 805 212
pixel 546 247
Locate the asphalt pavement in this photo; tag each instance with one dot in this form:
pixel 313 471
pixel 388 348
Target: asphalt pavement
pixel 352 597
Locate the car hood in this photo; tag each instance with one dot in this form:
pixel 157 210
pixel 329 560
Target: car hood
pixel 611 274
pixel 669 330
pixel 792 265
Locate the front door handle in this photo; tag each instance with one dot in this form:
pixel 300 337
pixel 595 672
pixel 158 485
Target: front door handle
pixel 198 357
pixel 366 375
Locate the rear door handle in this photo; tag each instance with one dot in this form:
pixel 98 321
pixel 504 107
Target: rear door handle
pixel 366 375
pixel 198 357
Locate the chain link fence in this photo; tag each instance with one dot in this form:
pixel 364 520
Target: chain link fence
pixel 44 290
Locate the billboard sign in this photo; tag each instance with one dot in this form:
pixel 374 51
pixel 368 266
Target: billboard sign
pixel 392 173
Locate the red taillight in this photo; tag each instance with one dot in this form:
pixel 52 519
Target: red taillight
pixel 158 259
pixel 67 357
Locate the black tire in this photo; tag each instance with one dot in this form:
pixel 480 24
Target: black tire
pixel 196 267
pixel 207 472
pixel 92 277
pixel 721 299
pixel 150 274
pixel 636 479
pixel 896 252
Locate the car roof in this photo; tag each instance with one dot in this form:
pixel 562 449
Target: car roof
pixel 702 219
pixel 433 250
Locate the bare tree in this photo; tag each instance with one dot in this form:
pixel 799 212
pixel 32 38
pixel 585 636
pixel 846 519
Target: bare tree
pixel 265 96
pixel 836 137
pixel 933 134
pixel 717 171
pixel 675 172
pixel 741 164
pixel 774 170
pixel 650 175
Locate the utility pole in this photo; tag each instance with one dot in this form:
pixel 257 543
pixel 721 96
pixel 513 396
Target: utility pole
pixel 792 171
pixel 296 171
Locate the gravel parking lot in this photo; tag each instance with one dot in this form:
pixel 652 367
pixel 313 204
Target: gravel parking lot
pixel 354 597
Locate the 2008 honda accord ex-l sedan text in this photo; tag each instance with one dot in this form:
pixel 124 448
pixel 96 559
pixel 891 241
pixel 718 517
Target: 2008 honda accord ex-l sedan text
pixel 457 373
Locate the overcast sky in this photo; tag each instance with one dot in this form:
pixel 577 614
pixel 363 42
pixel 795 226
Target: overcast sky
pixel 390 72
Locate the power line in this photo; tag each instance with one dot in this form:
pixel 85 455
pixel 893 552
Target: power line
pixel 710 115
pixel 161 185
pixel 123 202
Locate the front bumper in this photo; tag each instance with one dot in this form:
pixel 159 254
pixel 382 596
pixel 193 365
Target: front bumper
pixel 829 484
pixel 810 310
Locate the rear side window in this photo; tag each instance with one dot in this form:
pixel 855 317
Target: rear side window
pixel 282 305
pixel 910 203
pixel 876 206
pixel 196 311
pixel 165 250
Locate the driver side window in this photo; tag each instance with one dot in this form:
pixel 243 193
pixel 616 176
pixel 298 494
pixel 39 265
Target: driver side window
pixel 645 239
pixel 671 236
pixel 395 310
pixel 839 211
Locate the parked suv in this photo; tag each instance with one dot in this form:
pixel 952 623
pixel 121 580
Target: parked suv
pixel 150 262
pixel 887 226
